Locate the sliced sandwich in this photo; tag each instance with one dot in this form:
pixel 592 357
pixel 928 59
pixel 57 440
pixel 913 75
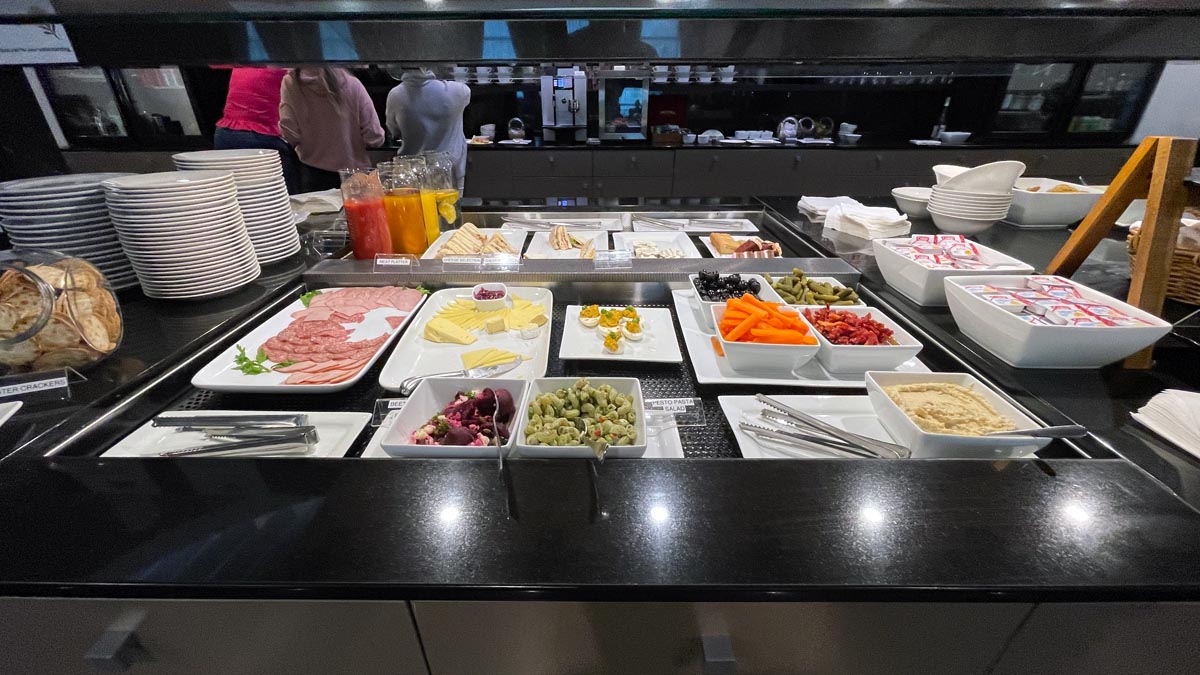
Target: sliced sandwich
pixel 497 244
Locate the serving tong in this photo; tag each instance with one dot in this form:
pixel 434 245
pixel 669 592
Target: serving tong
pixel 715 224
pixel 260 435
pixel 808 432
pixel 532 224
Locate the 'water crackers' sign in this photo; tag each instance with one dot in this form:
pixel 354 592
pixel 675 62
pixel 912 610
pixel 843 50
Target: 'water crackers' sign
pixel 31 44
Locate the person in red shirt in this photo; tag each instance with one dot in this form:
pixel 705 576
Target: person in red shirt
pixel 251 118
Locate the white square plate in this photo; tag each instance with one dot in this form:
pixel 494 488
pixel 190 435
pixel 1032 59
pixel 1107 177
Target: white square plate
pixel 336 431
pixel 539 245
pixel 430 398
pixel 414 355
pixel 849 413
pixel 713 250
pixel 221 375
pixel 664 240
pixel 710 369
pixel 658 343
pixel 515 239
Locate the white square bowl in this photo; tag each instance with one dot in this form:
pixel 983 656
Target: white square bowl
pixel 861 358
pixel 625 385
pixel 925 445
pixel 1024 345
pixel 429 398
pixel 755 357
pixel 924 285
pixel 766 294
pixel 1051 208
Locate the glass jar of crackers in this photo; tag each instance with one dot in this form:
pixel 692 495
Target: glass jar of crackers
pixel 55 312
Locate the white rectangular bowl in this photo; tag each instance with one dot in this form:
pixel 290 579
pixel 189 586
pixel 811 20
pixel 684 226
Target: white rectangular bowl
pixel 925 445
pixel 861 358
pixel 757 357
pixel 1046 209
pixel 1023 345
pixel 625 385
pixel 765 293
pixel 923 285
pixel 429 398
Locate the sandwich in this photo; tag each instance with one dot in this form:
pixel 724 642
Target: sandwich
pixel 560 240
pixel 497 244
pixel 724 243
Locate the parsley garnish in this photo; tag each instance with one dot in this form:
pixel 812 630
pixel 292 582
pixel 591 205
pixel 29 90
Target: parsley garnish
pixel 307 297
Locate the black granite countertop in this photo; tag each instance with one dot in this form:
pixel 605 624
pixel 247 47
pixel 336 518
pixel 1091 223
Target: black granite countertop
pixel 690 529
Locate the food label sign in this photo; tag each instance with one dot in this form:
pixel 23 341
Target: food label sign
pixel 680 412
pixel 31 44
pixel 394 262
pixel 45 385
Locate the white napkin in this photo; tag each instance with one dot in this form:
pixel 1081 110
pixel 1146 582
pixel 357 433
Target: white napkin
pixel 1189 232
pixel 867 222
pixel 816 207
pixel 1175 415
pixel 324 201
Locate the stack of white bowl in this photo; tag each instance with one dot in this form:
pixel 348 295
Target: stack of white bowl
pixel 66 214
pixel 183 231
pixel 262 195
pixel 969 201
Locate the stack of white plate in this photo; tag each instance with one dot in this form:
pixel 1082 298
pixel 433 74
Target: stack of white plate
pixel 972 200
pixel 262 195
pixel 183 231
pixel 66 214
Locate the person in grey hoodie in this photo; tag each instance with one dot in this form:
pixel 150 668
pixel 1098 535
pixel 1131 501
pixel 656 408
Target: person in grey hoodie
pixel 426 114
pixel 327 115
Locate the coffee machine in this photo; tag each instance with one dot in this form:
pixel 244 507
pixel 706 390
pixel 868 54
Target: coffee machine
pixel 564 106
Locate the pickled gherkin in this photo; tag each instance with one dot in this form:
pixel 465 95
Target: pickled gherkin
pixel 582 415
pixel 798 289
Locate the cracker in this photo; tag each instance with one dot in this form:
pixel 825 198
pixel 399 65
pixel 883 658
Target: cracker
pixel 20 354
pixel 94 333
pixel 69 357
pixel 58 332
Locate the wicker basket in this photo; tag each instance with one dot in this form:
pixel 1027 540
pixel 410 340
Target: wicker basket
pixel 1183 284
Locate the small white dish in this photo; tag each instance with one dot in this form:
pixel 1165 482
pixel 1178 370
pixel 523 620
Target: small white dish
pixel 713 249
pixel 959 225
pixel 539 244
pixel 944 172
pixel 848 413
pixel 490 304
pixel 861 358
pixel 630 386
pixel 994 177
pixel 1044 208
pixel 658 343
pixel 431 396
pixel 679 241
pixel 953 137
pixel 928 445
pixel 704 307
pixel 7 410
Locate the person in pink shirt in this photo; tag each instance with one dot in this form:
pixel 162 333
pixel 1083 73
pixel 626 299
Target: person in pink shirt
pixel 326 114
pixel 251 118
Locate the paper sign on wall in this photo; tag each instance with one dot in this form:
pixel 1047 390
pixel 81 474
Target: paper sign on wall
pixel 32 44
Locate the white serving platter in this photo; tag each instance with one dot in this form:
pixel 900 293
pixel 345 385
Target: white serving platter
pixel 690 227
pixel 664 444
pixel 539 244
pixel 573 224
pixel 849 413
pixel 676 240
pixel 711 369
pixel 336 433
pixel 658 343
pixel 514 237
pixel 414 355
pixel 713 249
pixel 221 375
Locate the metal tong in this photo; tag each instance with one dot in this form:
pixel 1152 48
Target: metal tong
pixel 711 223
pixel 813 431
pixel 296 440
pixel 269 434
pixel 532 224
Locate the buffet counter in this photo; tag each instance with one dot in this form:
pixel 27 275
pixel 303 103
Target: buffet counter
pixel 1102 518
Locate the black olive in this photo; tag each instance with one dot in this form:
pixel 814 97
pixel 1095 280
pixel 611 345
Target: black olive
pixel 734 278
pixel 753 286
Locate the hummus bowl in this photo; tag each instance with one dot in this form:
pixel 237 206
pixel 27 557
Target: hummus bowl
pixel 925 445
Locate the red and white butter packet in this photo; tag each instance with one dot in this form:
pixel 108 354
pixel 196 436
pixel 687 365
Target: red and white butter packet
pixel 963 251
pixel 1005 301
pixel 1097 309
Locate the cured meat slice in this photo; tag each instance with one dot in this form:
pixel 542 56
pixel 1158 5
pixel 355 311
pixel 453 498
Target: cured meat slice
pixel 297 367
pixel 395 321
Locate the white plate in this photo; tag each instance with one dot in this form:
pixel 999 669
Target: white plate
pixel 662 445
pixel 183 203
pixel 93 237
pixel 539 245
pixel 49 213
pixel 710 369
pixel 686 225
pixel 510 141
pixel 234 156
pixel 43 224
pixel 200 292
pixel 54 184
pixel 336 433
pixel 606 224
pixel 514 237
pixel 848 413
pixel 47 204
pixel 167 181
pixel 220 374
pixel 7 410
pixel 658 343
pixel 676 240
pixel 713 250
pixel 414 355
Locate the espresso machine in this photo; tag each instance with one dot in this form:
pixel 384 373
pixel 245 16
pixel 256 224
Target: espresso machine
pixel 564 106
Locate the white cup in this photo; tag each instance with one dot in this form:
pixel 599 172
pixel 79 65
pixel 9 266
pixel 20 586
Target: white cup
pixel 703 140
pixel 488 130
pixel 688 139
pixel 483 73
pixel 847 128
